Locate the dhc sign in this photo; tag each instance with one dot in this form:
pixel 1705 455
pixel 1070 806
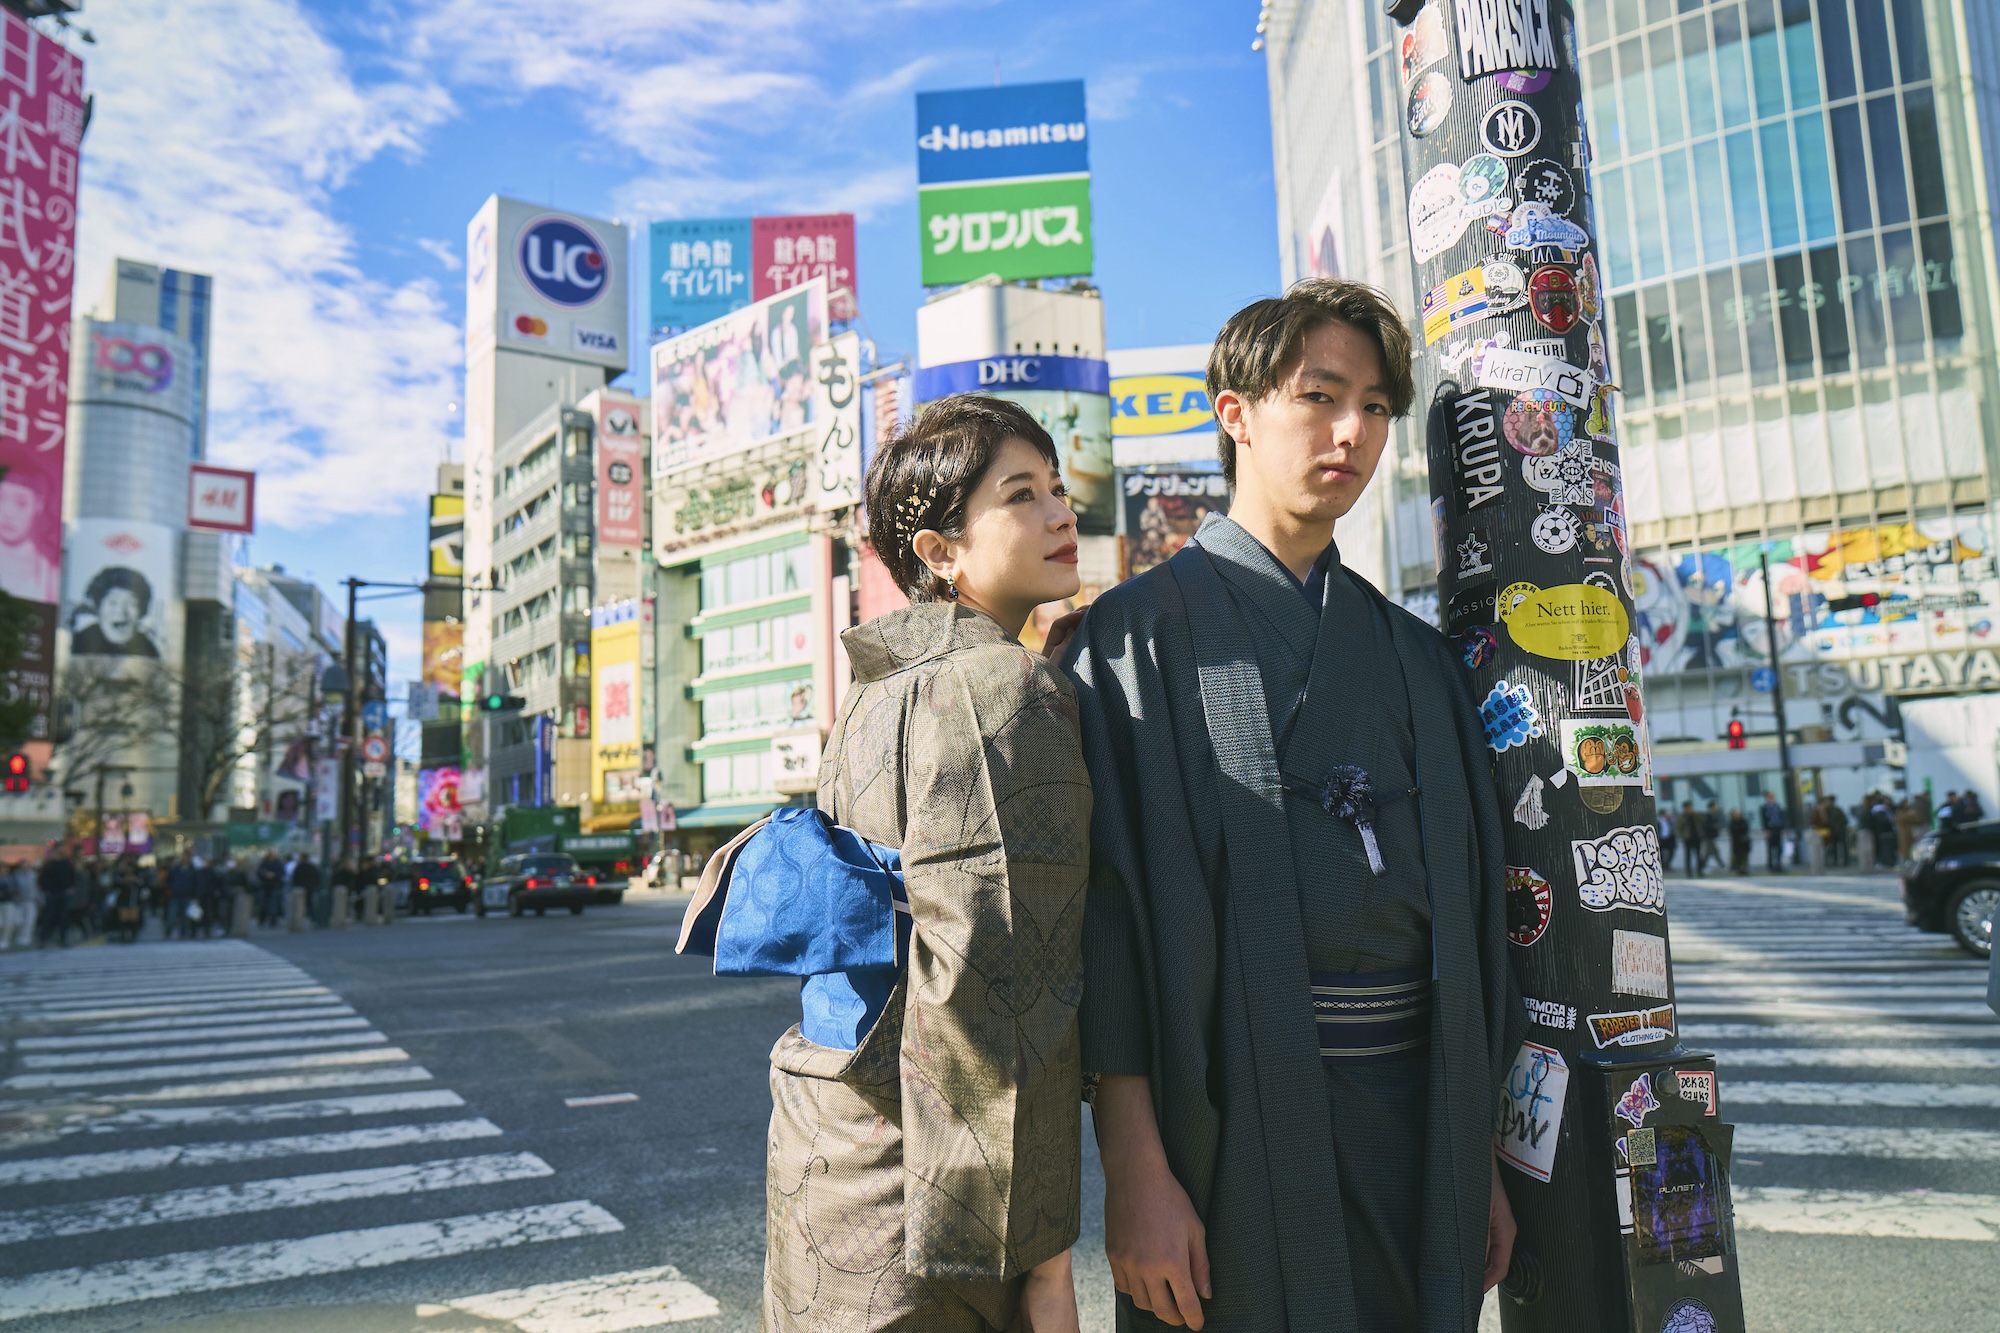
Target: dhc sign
pixel 1076 373
pixel 563 262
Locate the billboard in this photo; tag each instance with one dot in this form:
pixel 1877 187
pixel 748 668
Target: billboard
pixel 444 656
pixel 742 379
pixel 614 693
pixel 221 499
pixel 621 453
pixel 447 537
pixel 792 251
pixel 1161 510
pixel 538 280
pixel 42 83
pixel 437 800
pixel 120 582
pixel 837 376
pixel 700 270
pixel 1160 413
pixel 1070 397
pixel 1003 182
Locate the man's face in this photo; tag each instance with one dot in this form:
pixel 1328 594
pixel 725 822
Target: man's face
pixel 18 508
pixel 1311 445
pixel 118 615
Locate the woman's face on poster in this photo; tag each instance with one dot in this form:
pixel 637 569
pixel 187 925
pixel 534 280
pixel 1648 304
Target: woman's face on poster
pixel 18 508
pixel 118 615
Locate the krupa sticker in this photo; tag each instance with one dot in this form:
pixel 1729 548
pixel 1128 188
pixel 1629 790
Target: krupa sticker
pixel 1621 869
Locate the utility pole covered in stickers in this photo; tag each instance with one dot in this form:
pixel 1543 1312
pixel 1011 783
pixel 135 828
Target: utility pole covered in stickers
pixel 1614 1152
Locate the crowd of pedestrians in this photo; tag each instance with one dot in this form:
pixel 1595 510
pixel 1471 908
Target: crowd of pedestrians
pixel 1699 837
pixel 69 896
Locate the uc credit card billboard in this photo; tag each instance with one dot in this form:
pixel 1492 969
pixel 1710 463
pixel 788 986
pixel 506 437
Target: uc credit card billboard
pixel 1003 182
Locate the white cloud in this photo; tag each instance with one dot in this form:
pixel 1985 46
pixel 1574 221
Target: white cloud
pixel 443 251
pixel 217 145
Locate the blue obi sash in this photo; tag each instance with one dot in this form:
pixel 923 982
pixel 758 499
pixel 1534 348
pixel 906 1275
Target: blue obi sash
pixel 1362 1015
pixel 797 895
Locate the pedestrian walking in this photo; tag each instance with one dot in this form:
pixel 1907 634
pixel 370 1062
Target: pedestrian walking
pixel 1739 842
pixel 1264 1172
pixel 1836 835
pixel 1665 819
pixel 1689 824
pixel 10 907
pixel 128 898
pixel 183 913
pixel 305 875
pixel 1947 813
pixel 1772 818
pixel 55 880
pixel 270 886
pixel 950 1140
pixel 1912 818
pixel 1712 827
pixel 1970 811
pixel 208 892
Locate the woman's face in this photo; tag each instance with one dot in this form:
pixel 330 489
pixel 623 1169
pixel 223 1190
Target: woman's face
pixel 118 615
pixel 1019 547
pixel 18 507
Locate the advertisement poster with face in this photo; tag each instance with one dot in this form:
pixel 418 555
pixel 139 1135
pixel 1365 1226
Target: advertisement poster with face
pixel 437 798
pixel 744 378
pixel 120 586
pixel 31 530
pixel 1163 510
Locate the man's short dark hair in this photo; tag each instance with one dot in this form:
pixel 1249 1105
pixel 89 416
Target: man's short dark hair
pixel 1256 348
pixel 923 478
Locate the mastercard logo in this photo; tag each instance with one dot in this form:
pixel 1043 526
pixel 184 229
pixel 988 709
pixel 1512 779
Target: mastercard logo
pixel 530 326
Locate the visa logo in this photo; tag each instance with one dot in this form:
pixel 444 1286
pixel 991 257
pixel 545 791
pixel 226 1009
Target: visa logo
pixel 1160 404
pixel 594 340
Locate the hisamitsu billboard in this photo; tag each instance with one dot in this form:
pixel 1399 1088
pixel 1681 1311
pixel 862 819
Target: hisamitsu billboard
pixel 987 134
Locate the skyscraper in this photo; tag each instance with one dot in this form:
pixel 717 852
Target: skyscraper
pixel 1793 200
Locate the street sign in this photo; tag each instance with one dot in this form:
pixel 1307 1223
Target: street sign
pixel 375 715
pixel 374 751
pixel 1764 680
pixel 374 768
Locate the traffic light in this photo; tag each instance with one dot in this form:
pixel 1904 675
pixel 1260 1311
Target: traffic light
pixel 1735 733
pixel 1866 601
pixel 19 776
pixel 501 703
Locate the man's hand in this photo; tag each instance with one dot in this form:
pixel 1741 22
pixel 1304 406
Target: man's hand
pixel 1500 1232
pixel 1048 1299
pixel 1060 631
pixel 1157 1246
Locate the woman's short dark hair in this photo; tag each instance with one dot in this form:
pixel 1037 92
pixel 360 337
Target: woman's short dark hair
pixel 1254 351
pixel 923 478
pixel 118 576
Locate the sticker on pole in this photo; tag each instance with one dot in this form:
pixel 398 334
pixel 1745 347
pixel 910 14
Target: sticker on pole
pixel 1632 1027
pixel 1509 35
pixel 1531 1110
pixel 1601 752
pixel 1529 902
pixel 1509 715
pixel 1572 622
pixel 1524 372
pixel 1639 964
pixel 1621 869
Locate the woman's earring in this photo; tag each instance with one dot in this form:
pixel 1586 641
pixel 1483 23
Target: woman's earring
pixel 951 589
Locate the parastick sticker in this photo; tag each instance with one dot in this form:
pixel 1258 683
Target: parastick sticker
pixel 1638 1101
pixel 1529 811
pixel 1639 964
pixel 1538 423
pixel 1550 1014
pixel 1604 753
pixel 1476 449
pixel 1569 622
pixel 1430 102
pixel 1495 35
pixel 1475 555
pixel 1471 607
pixel 1697 1088
pixel 1437 212
pixel 1530 901
pixel 1632 1027
pixel 1482 186
pixel 1477 646
pixel 1510 718
pixel 1621 869
pixel 1531 1110
pixel 1424 43
pixel 1510 129
pixel 1459 299
pixel 1552 298
pixel 1555 531
pixel 1468 354
pixel 1526 372
pixel 1546 182
pixel 1572 476
pixel 1537 227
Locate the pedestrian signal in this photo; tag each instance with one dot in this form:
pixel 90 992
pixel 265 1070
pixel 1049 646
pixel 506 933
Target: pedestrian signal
pixel 19 775
pixel 501 703
pixel 1735 733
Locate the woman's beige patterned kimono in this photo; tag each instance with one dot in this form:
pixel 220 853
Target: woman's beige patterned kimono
pixel 914 1181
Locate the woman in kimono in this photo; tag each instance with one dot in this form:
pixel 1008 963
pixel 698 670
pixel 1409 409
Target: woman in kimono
pixel 928 1180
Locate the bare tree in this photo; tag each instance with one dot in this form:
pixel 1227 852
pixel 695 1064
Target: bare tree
pixel 108 710
pixel 253 703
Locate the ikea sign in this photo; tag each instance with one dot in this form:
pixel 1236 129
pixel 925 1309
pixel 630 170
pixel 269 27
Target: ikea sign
pixel 1160 405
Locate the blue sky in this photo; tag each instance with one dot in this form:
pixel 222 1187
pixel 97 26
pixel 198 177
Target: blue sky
pixel 321 159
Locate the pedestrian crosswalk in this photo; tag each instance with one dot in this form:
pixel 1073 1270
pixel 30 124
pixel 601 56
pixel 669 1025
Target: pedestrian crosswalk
pixel 1857 1056
pixel 155 1097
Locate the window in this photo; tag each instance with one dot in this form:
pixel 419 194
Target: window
pixel 1766 72
pixel 1713 201
pixel 1666 87
pixel 1678 194
pixel 1744 195
pixel 1632 92
pixel 736 775
pixel 753 578
pixel 1851 167
pixel 758 643
pixel 1871 39
pixel 1871 337
pixel 1801 66
pixel 1794 318
pixel 753 707
pixel 1780 201
pixel 1700 77
pixel 1926 163
pixel 1913 52
pixel 576 544
pixel 1836 50
pixel 1730 74
pixel 1902 282
pixel 1816 187
pixel 1941 288
pixel 1824 296
pixel 1613 235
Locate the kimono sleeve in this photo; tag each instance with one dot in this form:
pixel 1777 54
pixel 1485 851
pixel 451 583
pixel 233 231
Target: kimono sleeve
pixel 995 861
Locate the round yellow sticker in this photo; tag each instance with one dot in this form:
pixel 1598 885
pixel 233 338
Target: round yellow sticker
pixel 1574 622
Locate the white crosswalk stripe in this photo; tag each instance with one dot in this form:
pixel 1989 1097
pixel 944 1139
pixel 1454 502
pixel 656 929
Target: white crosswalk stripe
pixel 197 1066
pixel 1898 1057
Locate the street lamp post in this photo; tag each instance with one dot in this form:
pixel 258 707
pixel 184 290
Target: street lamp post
pixel 1792 810
pixel 1612 1151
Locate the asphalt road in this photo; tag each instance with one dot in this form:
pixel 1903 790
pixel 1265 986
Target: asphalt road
pixel 368 1131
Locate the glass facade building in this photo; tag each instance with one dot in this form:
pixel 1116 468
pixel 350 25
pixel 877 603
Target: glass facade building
pixel 1793 209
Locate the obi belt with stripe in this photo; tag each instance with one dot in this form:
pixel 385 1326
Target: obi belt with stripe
pixel 1362 1015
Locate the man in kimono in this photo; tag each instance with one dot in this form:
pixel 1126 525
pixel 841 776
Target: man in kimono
pixel 1297 1002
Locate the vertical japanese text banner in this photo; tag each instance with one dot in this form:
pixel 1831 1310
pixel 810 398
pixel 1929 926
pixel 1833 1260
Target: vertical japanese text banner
pixel 614 679
pixel 837 373
pixel 621 453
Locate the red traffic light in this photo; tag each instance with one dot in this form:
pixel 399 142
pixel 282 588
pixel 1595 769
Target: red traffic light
pixel 19 776
pixel 1735 733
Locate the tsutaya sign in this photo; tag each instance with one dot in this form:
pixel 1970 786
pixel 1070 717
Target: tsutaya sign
pixel 1902 673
